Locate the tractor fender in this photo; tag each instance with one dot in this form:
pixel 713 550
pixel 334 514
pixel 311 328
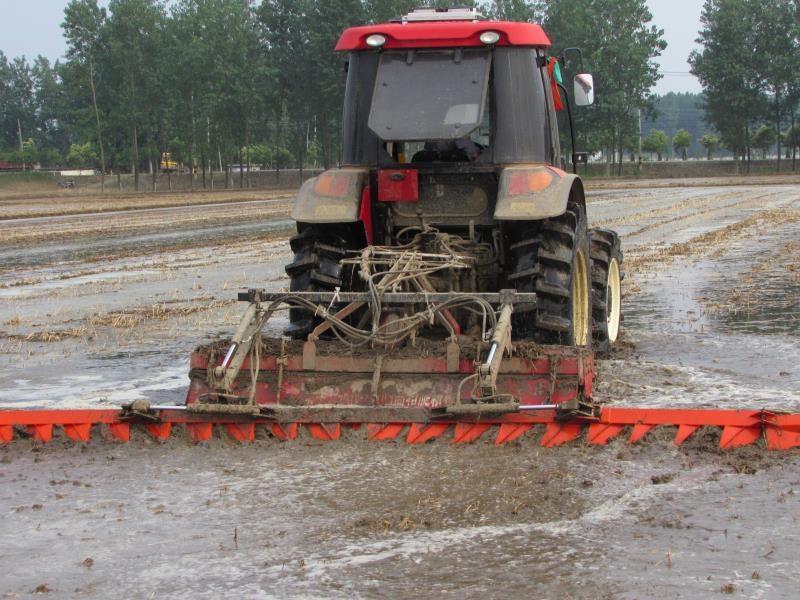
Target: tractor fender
pixel 332 197
pixel 533 192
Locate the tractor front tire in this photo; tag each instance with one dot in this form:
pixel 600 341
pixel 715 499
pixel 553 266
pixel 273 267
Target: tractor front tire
pixel 551 258
pixel 606 252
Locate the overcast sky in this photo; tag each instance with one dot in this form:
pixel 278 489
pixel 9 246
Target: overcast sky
pixel 31 27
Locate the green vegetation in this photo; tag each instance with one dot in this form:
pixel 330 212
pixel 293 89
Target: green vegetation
pixel 619 45
pixel 674 111
pixel 681 142
pixel 748 68
pixel 82 156
pixel 227 82
pixel 763 139
pixel 710 142
pixel 656 142
pixel 217 83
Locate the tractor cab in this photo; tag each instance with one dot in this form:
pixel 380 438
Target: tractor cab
pixel 445 86
pixel 443 112
pixel 451 146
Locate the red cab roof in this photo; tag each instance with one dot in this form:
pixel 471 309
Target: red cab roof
pixel 443 34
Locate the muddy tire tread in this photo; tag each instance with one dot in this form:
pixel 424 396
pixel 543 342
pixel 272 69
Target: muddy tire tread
pixel 542 263
pixel 315 268
pixel 605 246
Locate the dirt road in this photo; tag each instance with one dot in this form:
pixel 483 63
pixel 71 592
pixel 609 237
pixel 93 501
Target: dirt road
pixel 104 310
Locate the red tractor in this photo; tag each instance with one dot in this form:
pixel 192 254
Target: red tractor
pixel 446 266
pixel 450 129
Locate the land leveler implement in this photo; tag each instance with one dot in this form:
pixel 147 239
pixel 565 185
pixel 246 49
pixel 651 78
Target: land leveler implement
pixel 444 279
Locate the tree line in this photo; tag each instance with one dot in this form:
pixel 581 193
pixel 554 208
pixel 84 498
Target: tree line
pixel 748 66
pixel 219 83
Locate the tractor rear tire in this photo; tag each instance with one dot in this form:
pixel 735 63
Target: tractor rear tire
pixel 315 268
pixel 606 252
pixel 551 258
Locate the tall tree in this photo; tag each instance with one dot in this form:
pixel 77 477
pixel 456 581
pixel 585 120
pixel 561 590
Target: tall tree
pixel 516 10
pixel 133 36
pixel 732 84
pixel 764 139
pixel 17 101
pixel 778 56
pixel 710 142
pixel 619 45
pixel 47 91
pixel 82 25
pixel 300 37
pixel 681 142
pixel 656 142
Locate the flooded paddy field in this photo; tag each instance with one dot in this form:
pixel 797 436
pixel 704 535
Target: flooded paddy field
pixel 100 309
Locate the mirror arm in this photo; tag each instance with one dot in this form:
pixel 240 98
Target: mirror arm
pixel 566 51
pixel 571 127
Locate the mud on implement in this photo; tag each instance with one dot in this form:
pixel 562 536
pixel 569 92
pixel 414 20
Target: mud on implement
pixel 738 427
pixel 456 387
pixel 443 277
pixel 430 389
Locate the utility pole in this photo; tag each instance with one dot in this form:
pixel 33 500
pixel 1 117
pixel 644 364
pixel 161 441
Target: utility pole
pixel 640 141
pixel 19 133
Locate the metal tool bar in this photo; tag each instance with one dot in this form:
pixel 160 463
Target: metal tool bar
pixel 502 297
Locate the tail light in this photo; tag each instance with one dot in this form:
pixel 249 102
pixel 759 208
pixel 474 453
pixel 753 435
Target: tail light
pixel 335 184
pixel 523 181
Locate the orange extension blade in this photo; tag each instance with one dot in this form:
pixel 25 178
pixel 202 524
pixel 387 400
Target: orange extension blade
pixel 639 431
pixel 241 432
pixel 41 433
pixel 200 432
pixel 384 431
pixel 466 433
pixel 560 433
pixel 284 431
pixel 601 433
pixel 735 437
pixel 159 431
pixel 420 434
pixel 6 434
pixel 78 432
pixel 325 431
pixel 120 431
pixel 782 439
pixel 508 432
pixel 683 433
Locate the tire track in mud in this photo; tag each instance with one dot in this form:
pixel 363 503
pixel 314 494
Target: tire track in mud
pixel 709 240
pixel 133 221
pixel 52 205
pixel 247 233
pixel 683 206
pixel 403 549
pixel 621 202
pixel 694 215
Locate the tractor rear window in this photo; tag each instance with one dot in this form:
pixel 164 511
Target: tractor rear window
pixel 429 95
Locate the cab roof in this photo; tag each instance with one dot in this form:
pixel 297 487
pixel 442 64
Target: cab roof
pixel 442 34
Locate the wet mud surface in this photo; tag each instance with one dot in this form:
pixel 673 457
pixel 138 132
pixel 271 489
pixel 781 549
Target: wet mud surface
pixel 711 319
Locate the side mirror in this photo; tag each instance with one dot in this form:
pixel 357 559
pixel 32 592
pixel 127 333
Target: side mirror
pixel 583 89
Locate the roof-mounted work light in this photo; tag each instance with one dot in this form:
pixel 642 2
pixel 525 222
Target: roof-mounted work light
pixel 376 40
pixel 490 37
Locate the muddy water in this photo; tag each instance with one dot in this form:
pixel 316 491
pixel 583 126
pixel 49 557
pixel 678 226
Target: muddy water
pixel 92 249
pixel 373 520
pixel 377 520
